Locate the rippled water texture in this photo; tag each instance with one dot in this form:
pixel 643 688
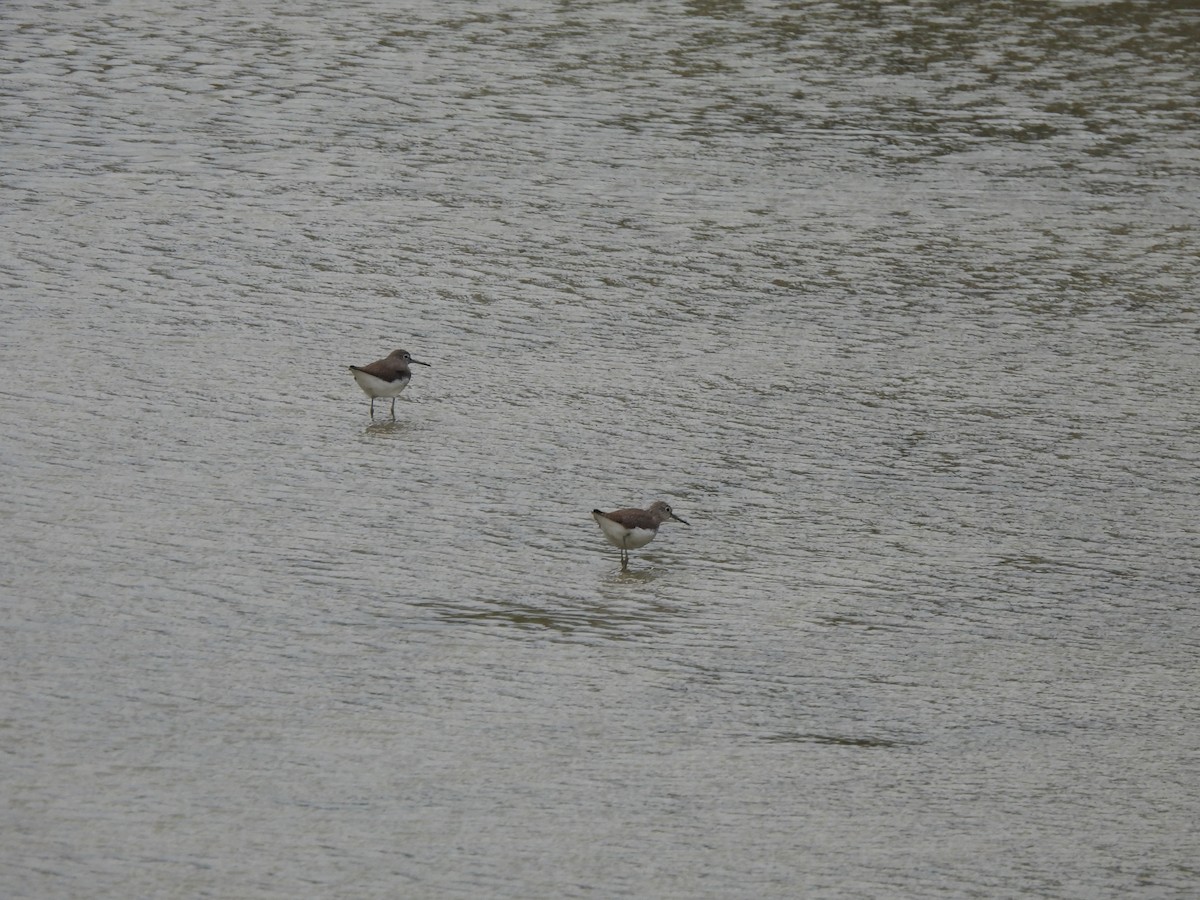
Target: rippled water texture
pixel 896 304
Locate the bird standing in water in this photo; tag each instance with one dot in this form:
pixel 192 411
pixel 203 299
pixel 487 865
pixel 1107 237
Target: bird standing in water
pixel 631 528
pixel 386 377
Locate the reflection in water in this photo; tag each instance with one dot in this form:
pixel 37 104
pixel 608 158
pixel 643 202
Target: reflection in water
pixel 637 575
pixel 833 740
pixel 623 622
pixel 388 427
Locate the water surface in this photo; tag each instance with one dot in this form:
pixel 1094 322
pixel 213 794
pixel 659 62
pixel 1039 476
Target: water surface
pixel 895 303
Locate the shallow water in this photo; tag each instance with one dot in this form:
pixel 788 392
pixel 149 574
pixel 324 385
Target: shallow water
pixel 896 304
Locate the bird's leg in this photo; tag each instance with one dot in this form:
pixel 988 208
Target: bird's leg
pixel 624 556
pixel 372 407
pixel 393 407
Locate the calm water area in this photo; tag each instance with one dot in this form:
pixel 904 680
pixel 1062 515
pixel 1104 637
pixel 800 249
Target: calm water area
pixel 898 304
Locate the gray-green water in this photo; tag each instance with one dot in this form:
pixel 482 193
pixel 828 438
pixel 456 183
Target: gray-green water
pixel 895 303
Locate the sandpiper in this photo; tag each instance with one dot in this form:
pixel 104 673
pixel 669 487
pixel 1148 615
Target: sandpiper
pixel 631 528
pixel 385 377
